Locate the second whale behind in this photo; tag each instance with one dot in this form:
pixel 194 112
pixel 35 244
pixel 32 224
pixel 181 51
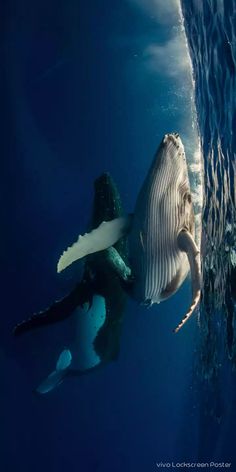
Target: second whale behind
pixel 160 233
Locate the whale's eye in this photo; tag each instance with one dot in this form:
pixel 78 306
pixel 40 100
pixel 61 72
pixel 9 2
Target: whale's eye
pixel 187 197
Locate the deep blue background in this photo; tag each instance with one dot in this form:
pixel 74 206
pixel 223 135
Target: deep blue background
pixel 77 100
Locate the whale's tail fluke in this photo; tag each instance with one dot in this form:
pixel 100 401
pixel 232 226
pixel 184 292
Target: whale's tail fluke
pixel 62 371
pixel 58 375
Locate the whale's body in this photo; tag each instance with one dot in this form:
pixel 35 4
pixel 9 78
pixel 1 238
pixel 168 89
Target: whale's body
pixel 162 209
pixel 160 236
pixel 160 233
pixel 96 304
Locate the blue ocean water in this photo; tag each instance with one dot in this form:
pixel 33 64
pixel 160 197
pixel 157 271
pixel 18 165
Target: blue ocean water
pixel 88 88
pixel 210 28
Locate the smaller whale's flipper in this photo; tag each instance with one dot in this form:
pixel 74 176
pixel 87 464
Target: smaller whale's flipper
pixel 58 311
pixel 57 376
pixel 187 244
pixel 117 264
pixel 103 237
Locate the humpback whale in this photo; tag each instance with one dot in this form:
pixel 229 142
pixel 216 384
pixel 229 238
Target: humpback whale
pixel 97 302
pixel 160 234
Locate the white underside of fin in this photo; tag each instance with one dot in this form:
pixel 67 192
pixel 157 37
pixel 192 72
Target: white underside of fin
pixel 103 237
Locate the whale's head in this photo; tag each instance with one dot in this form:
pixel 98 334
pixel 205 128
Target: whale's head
pixel 168 178
pixel 175 165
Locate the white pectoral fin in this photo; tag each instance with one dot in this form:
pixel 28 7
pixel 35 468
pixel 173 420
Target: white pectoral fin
pixel 187 244
pixel 103 237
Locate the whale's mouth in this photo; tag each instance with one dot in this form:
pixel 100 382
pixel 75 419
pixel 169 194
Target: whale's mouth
pixel 173 149
pixel 175 140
